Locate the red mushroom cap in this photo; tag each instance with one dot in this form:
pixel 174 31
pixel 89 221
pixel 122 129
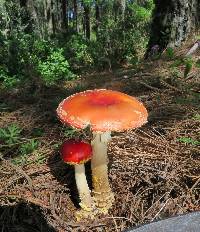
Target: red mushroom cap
pixel 75 152
pixel 102 110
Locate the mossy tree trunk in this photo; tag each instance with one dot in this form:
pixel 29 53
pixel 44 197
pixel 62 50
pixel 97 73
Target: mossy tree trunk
pixel 173 21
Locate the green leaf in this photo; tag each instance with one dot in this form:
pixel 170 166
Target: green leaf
pixel 196 117
pixel 188 140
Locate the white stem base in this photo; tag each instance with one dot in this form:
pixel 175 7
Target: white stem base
pixel 83 189
pixel 102 192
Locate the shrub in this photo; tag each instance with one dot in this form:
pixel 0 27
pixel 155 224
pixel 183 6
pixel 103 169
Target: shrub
pixel 7 81
pixel 123 39
pixel 28 59
pixel 78 53
pixel 55 68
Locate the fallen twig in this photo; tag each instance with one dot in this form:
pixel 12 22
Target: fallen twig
pixel 160 210
pixel 149 86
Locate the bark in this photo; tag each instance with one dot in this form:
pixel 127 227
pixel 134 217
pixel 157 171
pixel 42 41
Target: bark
pixel 38 29
pixel 97 17
pixel 75 16
pixel 26 18
pixel 23 3
pixel 173 21
pixel 119 9
pixel 59 16
pixel 87 20
pixel 48 16
pixel 64 24
pixel 55 16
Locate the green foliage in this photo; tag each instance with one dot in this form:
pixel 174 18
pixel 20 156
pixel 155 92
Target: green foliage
pixel 18 49
pixel 50 62
pixel 24 151
pixel 188 140
pixel 196 117
pixel 70 132
pixel 124 39
pixel 188 66
pixel 15 65
pixel 8 82
pixel 56 145
pixel 11 137
pixel 149 4
pixel 55 68
pixel 87 2
pixel 28 57
pixel 10 134
pixel 29 147
pixel 170 53
pixel 19 160
pixel 142 13
pixel 40 158
pixel 176 63
pixel 41 49
pixel 175 73
pixel 77 50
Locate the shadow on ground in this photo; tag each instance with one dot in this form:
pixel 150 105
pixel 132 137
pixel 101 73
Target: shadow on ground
pixel 23 218
pixel 65 175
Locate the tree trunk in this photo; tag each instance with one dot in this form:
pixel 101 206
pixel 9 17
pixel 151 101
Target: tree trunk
pixel 87 21
pixel 173 21
pixel 75 16
pixel 119 9
pixel 26 17
pixel 23 3
pixel 38 29
pixel 97 17
pixel 48 16
pixel 57 17
pixel 64 15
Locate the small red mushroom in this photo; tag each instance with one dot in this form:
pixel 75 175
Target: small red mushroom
pixel 77 153
pixel 103 111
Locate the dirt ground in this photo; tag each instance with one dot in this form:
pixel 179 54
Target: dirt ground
pixel 154 172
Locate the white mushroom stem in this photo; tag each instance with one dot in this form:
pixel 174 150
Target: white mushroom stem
pixel 102 192
pixel 83 189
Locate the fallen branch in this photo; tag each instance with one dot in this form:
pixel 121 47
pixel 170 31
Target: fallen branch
pixel 193 48
pixel 160 210
pixel 170 86
pixel 149 86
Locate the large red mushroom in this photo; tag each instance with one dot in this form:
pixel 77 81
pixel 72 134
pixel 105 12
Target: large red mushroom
pixel 103 111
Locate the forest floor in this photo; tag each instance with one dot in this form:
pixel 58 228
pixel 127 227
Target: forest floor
pixel 154 171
